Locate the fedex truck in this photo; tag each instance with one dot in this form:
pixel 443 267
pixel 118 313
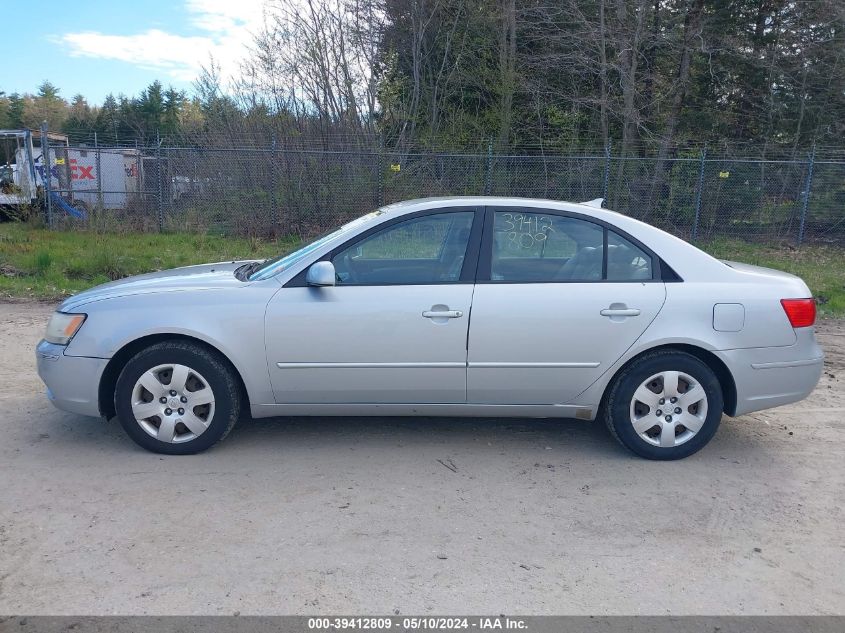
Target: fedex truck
pixel 85 174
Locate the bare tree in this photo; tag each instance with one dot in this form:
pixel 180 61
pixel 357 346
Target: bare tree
pixel 315 59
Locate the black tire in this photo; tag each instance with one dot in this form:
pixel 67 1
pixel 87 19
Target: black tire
pixel 617 409
pixel 214 369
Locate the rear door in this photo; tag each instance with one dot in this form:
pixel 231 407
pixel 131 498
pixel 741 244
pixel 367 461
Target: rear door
pixel 559 298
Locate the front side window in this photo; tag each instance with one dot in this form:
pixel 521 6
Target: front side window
pixel 426 250
pixel 535 246
pixel 276 265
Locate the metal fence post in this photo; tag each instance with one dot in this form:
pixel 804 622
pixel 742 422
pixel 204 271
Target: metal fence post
pixel 160 185
pixel 698 192
pixel 99 174
pixel 606 177
pixel 808 185
pixel 488 180
pixel 273 218
pixel 138 168
pixel 380 174
pixel 45 164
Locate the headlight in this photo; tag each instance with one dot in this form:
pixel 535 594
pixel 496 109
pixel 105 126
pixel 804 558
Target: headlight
pixel 62 327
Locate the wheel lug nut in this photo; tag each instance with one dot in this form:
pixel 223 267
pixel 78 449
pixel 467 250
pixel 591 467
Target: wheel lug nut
pixel 183 399
pixel 673 400
pixel 668 418
pixel 163 400
pixel 181 411
pixel 662 401
pixel 168 411
pixel 677 409
pixel 659 413
pixel 172 392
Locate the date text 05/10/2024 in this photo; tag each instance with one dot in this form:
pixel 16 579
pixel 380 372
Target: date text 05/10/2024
pixel 410 623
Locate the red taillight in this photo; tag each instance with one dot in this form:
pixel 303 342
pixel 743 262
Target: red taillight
pixel 800 312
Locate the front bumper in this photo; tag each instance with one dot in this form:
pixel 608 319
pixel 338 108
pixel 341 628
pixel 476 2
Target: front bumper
pixel 72 381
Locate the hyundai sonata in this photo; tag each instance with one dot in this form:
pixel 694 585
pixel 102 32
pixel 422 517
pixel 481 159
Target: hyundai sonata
pixel 502 307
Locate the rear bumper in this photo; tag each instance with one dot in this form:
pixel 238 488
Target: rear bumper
pixel 72 381
pixel 772 376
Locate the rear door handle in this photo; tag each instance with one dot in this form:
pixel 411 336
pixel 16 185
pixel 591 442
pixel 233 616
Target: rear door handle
pixel 442 314
pixel 620 312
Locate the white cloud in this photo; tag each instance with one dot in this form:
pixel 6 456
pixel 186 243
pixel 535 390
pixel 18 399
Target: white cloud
pixel 226 30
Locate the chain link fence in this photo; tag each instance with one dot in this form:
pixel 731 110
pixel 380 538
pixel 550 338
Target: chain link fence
pixel 275 191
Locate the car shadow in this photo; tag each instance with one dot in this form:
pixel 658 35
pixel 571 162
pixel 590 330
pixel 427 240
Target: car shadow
pixel 737 440
pixel 379 433
pixel 428 431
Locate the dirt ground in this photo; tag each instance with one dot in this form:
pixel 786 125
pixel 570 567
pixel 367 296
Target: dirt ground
pixel 351 515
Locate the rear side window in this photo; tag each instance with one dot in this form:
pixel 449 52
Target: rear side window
pixel 535 246
pixel 625 260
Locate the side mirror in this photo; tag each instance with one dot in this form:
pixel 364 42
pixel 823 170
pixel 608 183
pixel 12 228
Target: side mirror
pixel 321 274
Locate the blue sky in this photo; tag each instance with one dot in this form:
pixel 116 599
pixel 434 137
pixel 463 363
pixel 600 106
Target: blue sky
pixel 95 47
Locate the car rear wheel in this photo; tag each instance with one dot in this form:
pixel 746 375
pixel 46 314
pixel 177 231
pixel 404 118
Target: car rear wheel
pixel 177 398
pixel 665 405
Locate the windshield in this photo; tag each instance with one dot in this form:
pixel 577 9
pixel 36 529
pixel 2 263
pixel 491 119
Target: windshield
pixel 274 266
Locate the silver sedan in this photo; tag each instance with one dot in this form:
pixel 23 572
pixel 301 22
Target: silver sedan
pixel 502 307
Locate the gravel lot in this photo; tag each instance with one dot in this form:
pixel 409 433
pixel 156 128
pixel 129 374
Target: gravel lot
pixel 352 515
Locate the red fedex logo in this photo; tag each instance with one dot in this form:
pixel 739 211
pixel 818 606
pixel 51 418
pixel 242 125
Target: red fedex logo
pixel 80 172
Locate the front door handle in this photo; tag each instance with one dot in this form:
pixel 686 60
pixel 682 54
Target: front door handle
pixel 442 314
pixel 619 310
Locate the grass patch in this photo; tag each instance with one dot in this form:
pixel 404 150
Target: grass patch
pixel 51 265
pixel 41 262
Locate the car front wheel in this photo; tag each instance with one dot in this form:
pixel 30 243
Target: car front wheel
pixel 177 398
pixel 665 405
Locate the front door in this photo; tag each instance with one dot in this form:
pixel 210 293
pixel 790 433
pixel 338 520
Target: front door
pixel 559 299
pixel 393 329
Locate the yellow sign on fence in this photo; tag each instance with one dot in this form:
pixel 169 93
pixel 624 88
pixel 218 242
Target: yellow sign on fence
pixel 60 161
pixel 395 167
pixel 724 174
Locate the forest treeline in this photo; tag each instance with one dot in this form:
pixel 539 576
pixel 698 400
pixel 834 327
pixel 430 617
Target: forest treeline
pixel 650 77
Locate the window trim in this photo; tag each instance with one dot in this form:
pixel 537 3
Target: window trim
pixel 468 270
pixel 485 260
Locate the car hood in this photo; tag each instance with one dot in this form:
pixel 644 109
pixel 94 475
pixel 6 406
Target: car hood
pixel 201 277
